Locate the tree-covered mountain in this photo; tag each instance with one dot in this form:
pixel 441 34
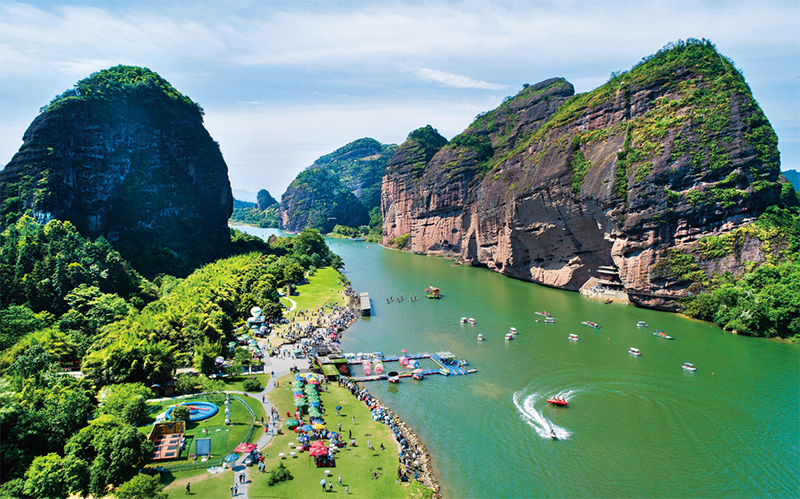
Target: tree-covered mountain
pixel 125 156
pixel 793 176
pixel 263 213
pixel 318 196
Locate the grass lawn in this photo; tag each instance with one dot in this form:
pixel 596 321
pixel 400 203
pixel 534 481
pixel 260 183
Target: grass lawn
pixel 224 438
pixel 356 465
pixel 323 287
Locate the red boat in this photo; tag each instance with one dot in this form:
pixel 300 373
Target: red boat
pixel 557 401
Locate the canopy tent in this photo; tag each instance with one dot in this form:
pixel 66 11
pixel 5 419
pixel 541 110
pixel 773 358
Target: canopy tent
pixel 318 451
pixel 243 447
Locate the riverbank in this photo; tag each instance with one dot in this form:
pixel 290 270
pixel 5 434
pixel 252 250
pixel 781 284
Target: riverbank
pixel 322 306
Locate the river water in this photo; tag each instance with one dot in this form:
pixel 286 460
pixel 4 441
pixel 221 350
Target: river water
pixel 635 426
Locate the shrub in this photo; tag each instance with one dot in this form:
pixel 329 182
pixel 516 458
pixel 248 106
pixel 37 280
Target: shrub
pixel 251 385
pixel 278 475
pixel 180 413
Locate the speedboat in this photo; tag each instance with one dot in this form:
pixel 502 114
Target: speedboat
pixel 473 370
pixel 590 324
pixel 573 337
pixel 471 320
pixel 513 330
pixel 543 313
pixel 641 324
pixel 689 367
pixel 463 320
pixel 634 351
pixel 553 434
pixel 480 337
pixel 558 401
pixel 509 336
pixel 662 334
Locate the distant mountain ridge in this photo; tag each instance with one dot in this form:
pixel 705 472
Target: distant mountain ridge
pixel 339 188
pixel 793 176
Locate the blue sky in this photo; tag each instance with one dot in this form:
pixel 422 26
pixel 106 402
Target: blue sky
pixel 284 82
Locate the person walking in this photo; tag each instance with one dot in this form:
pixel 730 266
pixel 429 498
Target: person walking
pixel 323 485
pixel 236 489
pixel 231 490
pixel 340 481
pixel 189 487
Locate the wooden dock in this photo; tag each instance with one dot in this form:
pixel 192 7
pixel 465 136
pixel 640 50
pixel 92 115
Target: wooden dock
pixel 445 361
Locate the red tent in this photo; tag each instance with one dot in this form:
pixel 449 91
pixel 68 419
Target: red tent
pixel 245 448
pixel 318 451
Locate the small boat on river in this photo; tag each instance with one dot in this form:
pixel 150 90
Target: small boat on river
pixel 634 351
pixel 509 336
pixel 549 321
pixel 394 379
pixel 553 434
pixel 662 334
pixel 558 401
pixel 591 324
pixel 513 330
pixel 573 337
pixel 417 376
pixel 480 337
pixel 471 320
pixel 543 314
pixel 641 324
pixel 463 320
pixel 689 367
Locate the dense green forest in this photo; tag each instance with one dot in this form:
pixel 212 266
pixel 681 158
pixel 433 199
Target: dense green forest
pixel 70 303
pixel 763 302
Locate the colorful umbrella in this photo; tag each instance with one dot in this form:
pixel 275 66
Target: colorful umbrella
pixel 307 427
pixel 313 403
pixel 314 412
pixel 317 443
pixel 299 396
pixel 291 422
pixel 303 438
pixel 231 458
pixel 404 350
pixel 299 402
pixel 338 408
pixel 318 426
pixel 318 451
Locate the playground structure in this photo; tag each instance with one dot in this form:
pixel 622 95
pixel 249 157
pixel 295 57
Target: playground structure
pixel 168 439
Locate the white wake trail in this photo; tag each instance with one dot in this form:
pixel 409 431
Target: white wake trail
pixel 543 426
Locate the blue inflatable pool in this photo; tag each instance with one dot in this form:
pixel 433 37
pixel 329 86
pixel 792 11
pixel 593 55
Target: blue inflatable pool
pixel 198 411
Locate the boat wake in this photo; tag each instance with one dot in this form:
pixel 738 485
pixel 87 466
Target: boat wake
pixel 534 417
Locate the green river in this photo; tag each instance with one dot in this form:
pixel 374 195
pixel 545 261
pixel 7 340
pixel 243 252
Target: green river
pixel 635 426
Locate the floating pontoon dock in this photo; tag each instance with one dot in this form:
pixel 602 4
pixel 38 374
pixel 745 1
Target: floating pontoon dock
pixel 445 360
pixel 365 308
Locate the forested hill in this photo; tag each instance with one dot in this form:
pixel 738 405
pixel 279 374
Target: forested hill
pixel 340 188
pixel 125 156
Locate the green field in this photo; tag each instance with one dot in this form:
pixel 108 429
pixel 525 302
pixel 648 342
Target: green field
pixel 357 465
pixel 224 438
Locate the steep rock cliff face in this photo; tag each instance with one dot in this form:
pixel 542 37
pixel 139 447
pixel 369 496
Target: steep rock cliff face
pixel 550 186
pixel 125 156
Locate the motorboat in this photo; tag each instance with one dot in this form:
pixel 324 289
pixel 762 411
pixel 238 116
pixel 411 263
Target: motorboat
pixel 558 401
pixel 553 434
pixel 513 330
pixel 634 351
pixel 509 336
pixel 471 320
pixel 689 367
pixel 662 334
pixel 463 320
pixel 549 321
pixel 573 337
pixel 641 324
pixel 480 337
pixel 473 370
pixel 543 313
pixel 591 324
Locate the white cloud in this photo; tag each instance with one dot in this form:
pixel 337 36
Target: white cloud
pixel 456 81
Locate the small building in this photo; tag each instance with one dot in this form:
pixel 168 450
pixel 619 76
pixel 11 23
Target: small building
pixel 168 440
pixel 433 292
pixel 365 306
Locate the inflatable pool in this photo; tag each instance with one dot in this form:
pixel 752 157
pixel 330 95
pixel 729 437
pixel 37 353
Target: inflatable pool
pixel 198 411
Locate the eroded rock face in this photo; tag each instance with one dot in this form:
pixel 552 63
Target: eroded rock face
pixel 131 162
pixel 550 186
pixel 317 199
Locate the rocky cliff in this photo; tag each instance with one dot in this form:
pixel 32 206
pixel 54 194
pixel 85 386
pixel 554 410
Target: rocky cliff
pixel 550 186
pixel 318 197
pixel 125 156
